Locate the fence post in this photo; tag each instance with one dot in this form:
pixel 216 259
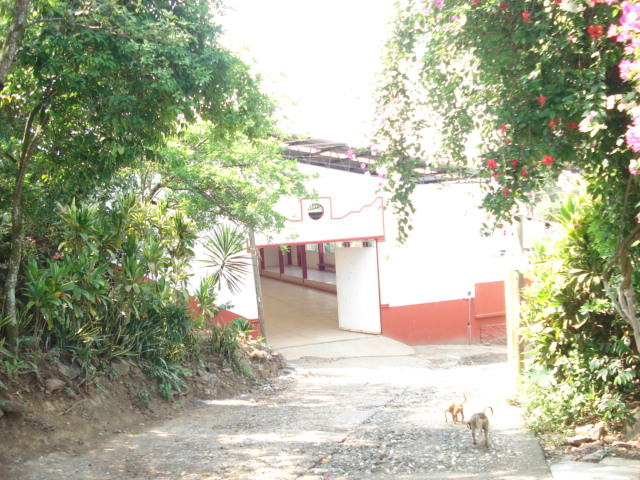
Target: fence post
pixel 513 288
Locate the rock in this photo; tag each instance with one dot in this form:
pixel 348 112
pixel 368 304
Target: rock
pixel 122 369
pixel 9 406
pixel 597 432
pixel 69 371
pixel 632 430
pixel 53 385
pixel 623 444
pixel 594 457
pixel 578 440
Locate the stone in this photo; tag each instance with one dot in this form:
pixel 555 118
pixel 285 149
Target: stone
pixel 593 457
pixel 54 385
pixel 69 371
pixel 122 369
pixel 578 440
pixel 597 431
pixel 632 430
pixel 9 406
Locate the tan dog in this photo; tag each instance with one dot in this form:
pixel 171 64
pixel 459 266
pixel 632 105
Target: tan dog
pixel 455 409
pixel 480 422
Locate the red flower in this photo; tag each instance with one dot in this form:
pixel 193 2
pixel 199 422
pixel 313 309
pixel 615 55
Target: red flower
pixel 514 163
pixel 506 191
pixel 526 16
pixel 524 172
pixel 503 128
pixel 572 125
pixel 503 6
pixel 476 1
pixel 542 100
pixel 595 31
pixel 492 164
pixel 548 160
pixel 552 123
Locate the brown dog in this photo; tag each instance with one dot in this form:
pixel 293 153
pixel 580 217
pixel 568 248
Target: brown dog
pixel 455 409
pixel 480 422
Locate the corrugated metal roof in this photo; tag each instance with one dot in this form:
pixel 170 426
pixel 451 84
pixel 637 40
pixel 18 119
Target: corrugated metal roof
pixel 336 155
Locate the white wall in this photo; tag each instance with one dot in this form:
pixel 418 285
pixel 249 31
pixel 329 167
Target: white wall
pixel 444 256
pixel 271 257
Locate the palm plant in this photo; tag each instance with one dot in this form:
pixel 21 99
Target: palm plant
pixel 228 256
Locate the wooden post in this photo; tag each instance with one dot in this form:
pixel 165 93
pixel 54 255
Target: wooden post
pixel 513 287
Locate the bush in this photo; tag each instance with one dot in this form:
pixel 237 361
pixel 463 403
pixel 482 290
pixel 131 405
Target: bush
pixel 581 364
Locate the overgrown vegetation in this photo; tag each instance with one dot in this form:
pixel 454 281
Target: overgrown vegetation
pixel 118 289
pixel 128 132
pixel 582 366
pixel 519 93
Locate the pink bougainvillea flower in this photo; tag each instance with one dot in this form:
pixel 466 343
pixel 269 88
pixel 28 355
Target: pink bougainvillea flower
pixel 632 136
pixel 492 163
pixel 525 16
pixel 610 2
pixel 350 154
pixel 514 163
pixel 548 160
pixel 476 1
pixel 634 167
pixel 439 3
pixel 382 175
pixel 629 69
pixel 542 100
pixel 503 128
pixel 572 125
pixel 594 31
pixel 630 15
pixel 363 165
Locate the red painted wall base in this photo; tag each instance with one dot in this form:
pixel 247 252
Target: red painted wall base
pixel 465 321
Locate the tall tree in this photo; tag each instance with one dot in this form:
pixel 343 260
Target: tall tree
pixel 101 84
pixel 15 27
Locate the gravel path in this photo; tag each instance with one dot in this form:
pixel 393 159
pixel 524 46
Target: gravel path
pixel 357 418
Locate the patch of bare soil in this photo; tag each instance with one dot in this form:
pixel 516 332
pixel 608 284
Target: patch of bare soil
pixel 54 408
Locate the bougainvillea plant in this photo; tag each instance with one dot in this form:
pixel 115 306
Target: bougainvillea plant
pixel 521 91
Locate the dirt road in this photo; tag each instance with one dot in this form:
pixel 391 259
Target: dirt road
pixel 356 418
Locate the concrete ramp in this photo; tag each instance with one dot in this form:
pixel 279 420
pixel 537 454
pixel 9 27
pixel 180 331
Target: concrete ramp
pixel 372 346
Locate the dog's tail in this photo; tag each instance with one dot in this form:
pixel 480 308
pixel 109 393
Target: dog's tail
pixel 465 397
pixel 488 408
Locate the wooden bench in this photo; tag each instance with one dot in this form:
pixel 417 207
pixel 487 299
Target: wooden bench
pixel 323 266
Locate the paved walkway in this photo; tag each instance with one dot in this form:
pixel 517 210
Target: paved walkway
pixel 303 323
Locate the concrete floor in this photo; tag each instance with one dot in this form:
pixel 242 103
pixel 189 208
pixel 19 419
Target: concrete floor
pixel 303 322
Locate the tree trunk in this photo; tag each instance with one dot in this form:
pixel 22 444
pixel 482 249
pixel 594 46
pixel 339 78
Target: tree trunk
pixel 29 141
pixel 14 38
